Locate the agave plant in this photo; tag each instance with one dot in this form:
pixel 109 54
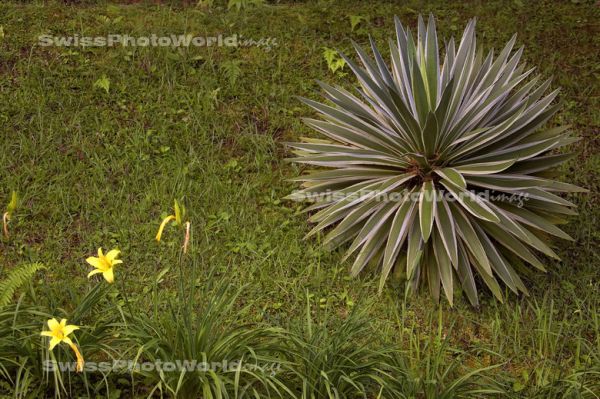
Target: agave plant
pixel 441 167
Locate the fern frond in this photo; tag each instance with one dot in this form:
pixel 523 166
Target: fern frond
pixel 16 279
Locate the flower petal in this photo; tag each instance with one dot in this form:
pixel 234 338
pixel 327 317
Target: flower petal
pixel 112 254
pixel 69 329
pixel 162 226
pixel 63 323
pixel 53 342
pixel 100 254
pixel 95 271
pixel 96 262
pixel 109 275
pixel 47 333
pixel 79 357
pixel 53 324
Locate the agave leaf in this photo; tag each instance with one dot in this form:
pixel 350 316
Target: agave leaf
pixel 498 265
pixel 532 219
pixel 485 168
pixel 505 182
pixel 489 280
pixel 351 219
pixel 414 250
pixel 452 175
pixel 398 232
pixel 432 60
pixel 511 243
pixel 347 119
pixel 470 238
pixel 349 158
pixel 420 93
pixel 441 111
pixel 539 194
pixel 523 234
pixel 383 98
pixel 538 164
pixel 521 151
pixel 538 205
pixel 443 267
pixel 465 274
pixel 429 134
pixel 433 273
pixel 372 227
pixel 347 135
pixel 445 226
pixel 471 202
pixel 427 204
pixel 372 246
pixel 564 187
pixel 345 175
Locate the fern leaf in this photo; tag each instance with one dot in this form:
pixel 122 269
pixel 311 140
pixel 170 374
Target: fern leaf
pixel 16 279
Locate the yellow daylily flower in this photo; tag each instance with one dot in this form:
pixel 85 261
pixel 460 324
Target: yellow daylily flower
pixel 162 226
pixel 104 264
pixel 177 218
pixel 59 333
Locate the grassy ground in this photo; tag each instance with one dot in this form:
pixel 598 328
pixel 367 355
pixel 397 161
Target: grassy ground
pixel 101 167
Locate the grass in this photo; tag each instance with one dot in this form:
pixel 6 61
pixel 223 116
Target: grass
pixel 99 166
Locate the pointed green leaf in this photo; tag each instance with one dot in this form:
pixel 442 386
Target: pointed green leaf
pixel 444 267
pixel 445 225
pixel 427 203
pixel 452 175
pixel 472 203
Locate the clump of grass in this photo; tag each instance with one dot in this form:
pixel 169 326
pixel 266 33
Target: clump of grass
pixel 334 360
pixel 198 328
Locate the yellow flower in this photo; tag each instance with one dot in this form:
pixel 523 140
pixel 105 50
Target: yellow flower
pixel 162 226
pixel 59 333
pixel 177 219
pixel 104 264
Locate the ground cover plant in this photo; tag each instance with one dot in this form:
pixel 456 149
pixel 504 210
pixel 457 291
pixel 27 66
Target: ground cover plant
pixel 99 143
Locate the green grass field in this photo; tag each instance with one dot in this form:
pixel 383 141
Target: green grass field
pixel 100 167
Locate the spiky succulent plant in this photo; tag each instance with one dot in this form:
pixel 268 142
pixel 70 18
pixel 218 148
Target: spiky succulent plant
pixel 441 170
